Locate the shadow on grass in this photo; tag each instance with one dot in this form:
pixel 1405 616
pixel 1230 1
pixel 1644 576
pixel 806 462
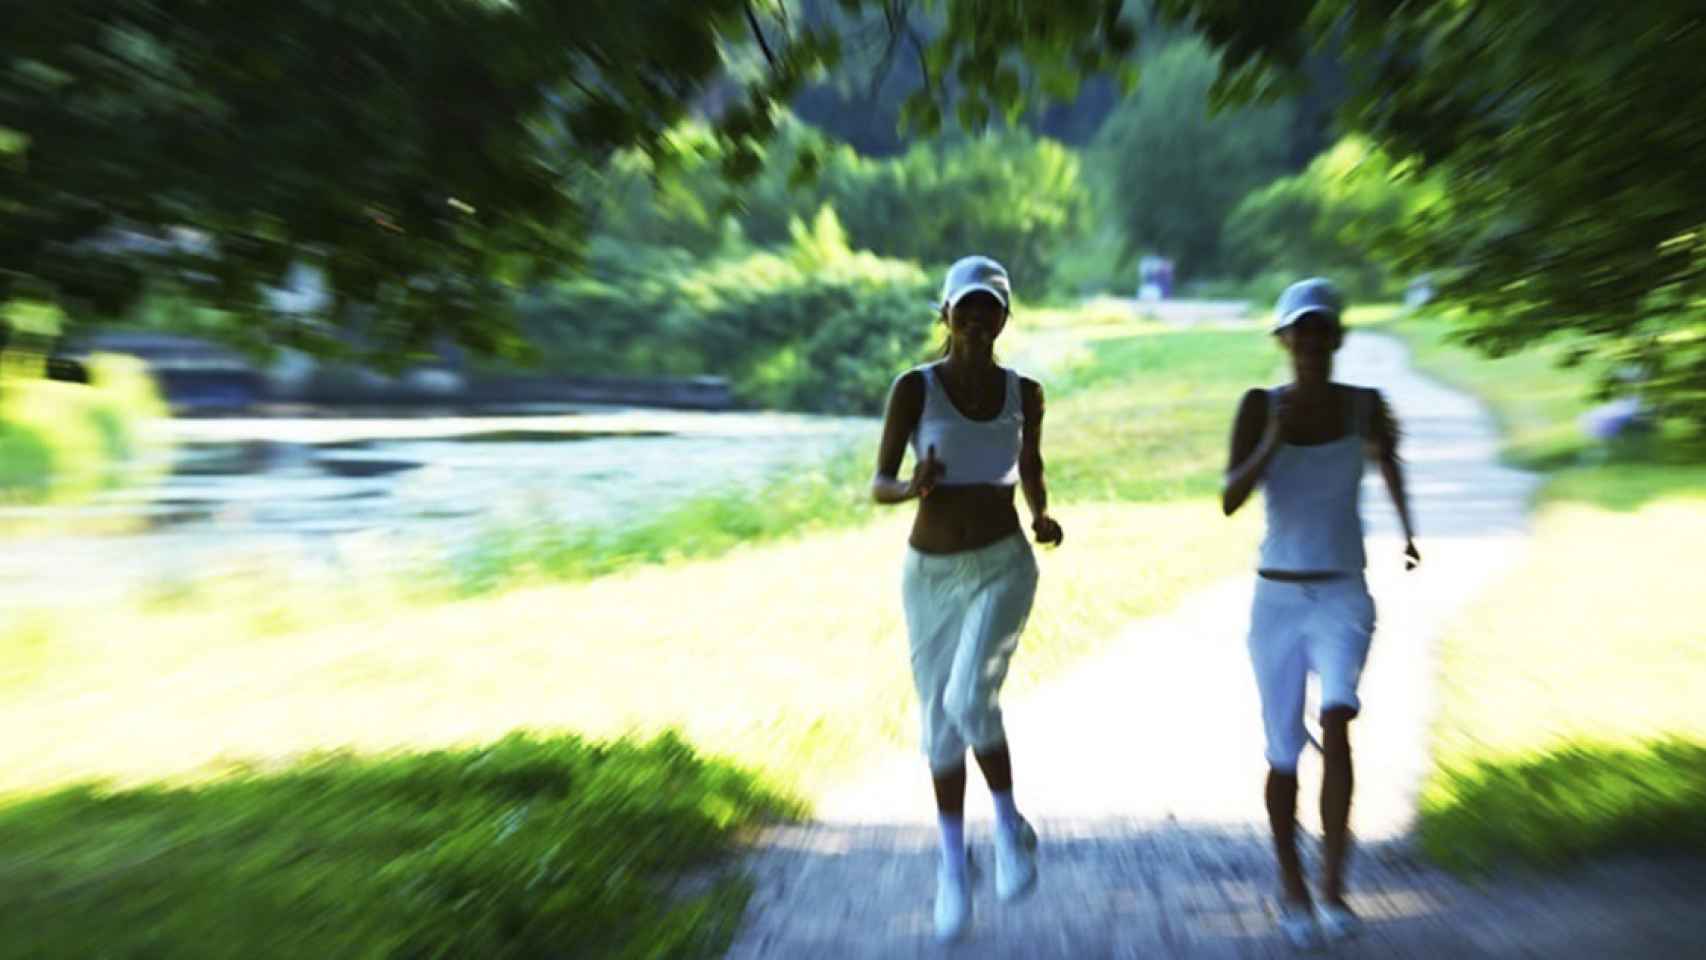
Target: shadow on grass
pixel 1568 805
pixel 527 847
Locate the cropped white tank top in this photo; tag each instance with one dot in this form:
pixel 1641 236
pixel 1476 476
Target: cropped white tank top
pixel 1313 496
pixel 972 451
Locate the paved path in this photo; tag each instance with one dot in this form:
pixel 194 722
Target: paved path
pixel 1142 769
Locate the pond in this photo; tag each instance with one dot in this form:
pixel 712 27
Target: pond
pixel 301 489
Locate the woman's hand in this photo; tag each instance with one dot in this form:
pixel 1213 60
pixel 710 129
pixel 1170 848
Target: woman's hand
pixel 925 474
pixel 1047 530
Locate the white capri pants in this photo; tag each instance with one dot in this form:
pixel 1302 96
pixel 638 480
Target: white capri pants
pixel 1321 626
pixel 964 614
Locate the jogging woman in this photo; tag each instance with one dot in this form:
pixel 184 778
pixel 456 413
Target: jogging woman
pixel 1306 443
pixel 969 576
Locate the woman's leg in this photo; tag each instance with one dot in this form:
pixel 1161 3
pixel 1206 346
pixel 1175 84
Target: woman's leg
pixel 1343 630
pixel 1337 782
pixel 1282 820
pixel 950 789
pixel 933 590
pixel 997 766
pixel 990 634
pixel 934 615
pixel 1278 659
pixel 994 619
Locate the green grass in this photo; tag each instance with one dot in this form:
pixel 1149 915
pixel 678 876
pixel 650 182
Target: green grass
pixel 527 847
pixel 1148 420
pixel 1570 723
pixel 1556 807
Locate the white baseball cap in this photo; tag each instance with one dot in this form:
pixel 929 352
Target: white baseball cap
pixel 1314 295
pixel 974 273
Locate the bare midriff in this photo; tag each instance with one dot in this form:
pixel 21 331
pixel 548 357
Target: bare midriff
pixel 958 518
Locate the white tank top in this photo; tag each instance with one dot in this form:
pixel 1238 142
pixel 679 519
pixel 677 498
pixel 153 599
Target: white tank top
pixel 973 451
pixel 1313 496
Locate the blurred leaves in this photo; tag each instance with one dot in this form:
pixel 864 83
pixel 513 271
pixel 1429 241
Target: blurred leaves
pixel 428 157
pixel 66 443
pixel 1564 139
pixel 224 143
pixel 1018 198
pixel 809 325
pixel 221 144
pixel 1331 219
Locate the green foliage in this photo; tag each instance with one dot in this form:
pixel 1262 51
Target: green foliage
pixel 1174 171
pixel 1539 396
pixel 527 847
pixel 812 326
pixel 1009 194
pixel 428 157
pixel 1563 137
pixel 1330 220
pixel 432 158
pixel 67 442
pixel 978 61
pixel 1097 263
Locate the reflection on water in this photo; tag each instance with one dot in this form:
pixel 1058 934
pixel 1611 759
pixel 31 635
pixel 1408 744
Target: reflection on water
pixel 301 490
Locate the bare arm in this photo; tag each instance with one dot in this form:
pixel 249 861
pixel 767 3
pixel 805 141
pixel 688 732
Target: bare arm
pixel 1255 438
pixel 905 406
pixel 1383 447
pixel 1031 479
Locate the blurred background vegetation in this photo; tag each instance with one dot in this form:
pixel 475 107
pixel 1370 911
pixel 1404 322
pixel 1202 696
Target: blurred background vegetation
pixel 767 192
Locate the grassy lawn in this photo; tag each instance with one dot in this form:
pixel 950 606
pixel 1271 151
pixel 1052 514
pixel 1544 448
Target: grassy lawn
pixel 522 848
pixel 763 629
pixel 1571 722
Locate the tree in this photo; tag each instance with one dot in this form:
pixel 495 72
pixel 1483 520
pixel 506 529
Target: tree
pixel 423 155
pixel 431 157
pixel 1334 218
pixel 1173 171
pixel 1007 193
pixel 1565 141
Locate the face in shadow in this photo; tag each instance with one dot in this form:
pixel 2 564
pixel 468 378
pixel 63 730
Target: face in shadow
pixel 1311 341
pixel 975 322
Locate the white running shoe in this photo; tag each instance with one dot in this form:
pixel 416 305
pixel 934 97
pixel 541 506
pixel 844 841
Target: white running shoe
pixel 953 899
pixel 1015 860
pixel 1297 925
pixel 1337 922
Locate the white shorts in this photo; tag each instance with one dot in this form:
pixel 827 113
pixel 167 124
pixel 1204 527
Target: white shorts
pixel 1321 626
pixel 964 614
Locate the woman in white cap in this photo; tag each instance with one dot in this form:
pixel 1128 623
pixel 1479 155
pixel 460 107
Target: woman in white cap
pixel 970 576
pixel 1306 443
